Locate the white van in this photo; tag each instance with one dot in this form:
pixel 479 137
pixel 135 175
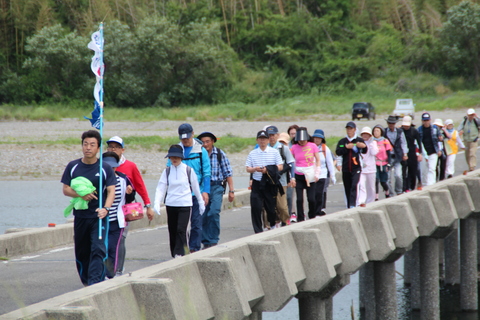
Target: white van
pixel 404 107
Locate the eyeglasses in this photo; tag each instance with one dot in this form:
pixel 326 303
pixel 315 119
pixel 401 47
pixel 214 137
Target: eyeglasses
pixel 114 147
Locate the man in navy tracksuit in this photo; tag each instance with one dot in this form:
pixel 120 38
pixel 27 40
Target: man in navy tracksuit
pixel 349 148
pixel 90 251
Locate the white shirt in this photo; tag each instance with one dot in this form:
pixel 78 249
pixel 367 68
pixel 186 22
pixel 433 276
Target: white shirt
pixel 178 190
pixel 259 158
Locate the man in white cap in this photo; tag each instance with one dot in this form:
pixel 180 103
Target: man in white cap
pixel 468 130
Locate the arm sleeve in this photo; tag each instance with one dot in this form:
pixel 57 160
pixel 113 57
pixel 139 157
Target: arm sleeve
pixel 196 190
pixel 403 142
pixel 227 170
pixel 460 142
pixel 206 171
pixel 139 184
pixel 329 160
pixel 340 150
pixel 160 191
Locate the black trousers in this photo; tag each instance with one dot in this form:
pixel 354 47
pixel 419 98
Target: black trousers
pixel 350 183
pixel 312 202
pixel 178 220
pixel 90 251
pixel 409 170
pixel 265 197
pixel 320 196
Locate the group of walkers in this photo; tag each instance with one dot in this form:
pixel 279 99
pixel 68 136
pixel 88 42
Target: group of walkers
pixel 283 167
pixel 191 187
pixel 402 157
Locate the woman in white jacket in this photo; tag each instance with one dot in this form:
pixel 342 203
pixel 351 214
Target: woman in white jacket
pixel 327 171
pixel 175 189
pixel 366 185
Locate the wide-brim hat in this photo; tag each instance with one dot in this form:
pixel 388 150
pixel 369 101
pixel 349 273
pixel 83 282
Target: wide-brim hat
pixel 318 134
pixel 207 134
pixel 175 151
pixel 391 119
pixel 284 137
pixel 301 135
pixel 366 130
pixel 438 122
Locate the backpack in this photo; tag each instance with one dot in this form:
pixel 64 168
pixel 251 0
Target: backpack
pixel 167 172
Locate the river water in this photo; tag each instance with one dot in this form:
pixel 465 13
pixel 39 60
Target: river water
pixel 31 204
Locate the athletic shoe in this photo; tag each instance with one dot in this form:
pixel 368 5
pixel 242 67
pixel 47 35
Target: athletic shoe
pixel 293 218
pixel 323 212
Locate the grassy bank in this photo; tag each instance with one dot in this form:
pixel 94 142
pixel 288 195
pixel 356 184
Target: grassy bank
pixel 230 144
pixel 299 107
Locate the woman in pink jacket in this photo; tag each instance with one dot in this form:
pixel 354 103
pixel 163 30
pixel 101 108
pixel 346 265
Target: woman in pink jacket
pixel 366 185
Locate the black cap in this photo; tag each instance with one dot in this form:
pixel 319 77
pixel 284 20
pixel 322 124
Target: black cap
pixel 351 124
pixel 207 134
pixel 262 134
pixel 426 116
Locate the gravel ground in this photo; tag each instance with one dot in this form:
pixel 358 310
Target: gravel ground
pixel 29 161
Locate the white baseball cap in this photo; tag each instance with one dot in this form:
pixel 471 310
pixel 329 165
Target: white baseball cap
pixel 407 121
pixel 470 111
pixel 116 139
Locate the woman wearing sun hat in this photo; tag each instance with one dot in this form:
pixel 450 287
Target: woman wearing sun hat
pixel 451 147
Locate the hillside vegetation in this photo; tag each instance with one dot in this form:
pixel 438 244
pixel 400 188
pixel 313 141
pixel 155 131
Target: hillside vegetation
pixel 240 54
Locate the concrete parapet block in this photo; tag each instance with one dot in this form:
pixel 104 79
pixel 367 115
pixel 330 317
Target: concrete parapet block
pixel 328 244
pixel 244 268
pixel 319 267
pixel 461 199
pixel 349 243
pixel 473 185
pixel 289 255
pixel 278 285
pixel 380 238
pixel 444 206
pixel 35 239
pixel 405 227
pixel 226 298
pixel 187 289
pixel 69 313
pixel 425 214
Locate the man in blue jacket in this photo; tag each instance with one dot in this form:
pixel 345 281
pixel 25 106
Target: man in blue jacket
pixel 196 157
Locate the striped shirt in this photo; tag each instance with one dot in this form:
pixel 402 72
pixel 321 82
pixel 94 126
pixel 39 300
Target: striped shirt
pixel 220 171
pixel 259 158
pixel 112 213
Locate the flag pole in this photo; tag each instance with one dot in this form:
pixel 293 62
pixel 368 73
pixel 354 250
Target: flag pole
pixel 100 200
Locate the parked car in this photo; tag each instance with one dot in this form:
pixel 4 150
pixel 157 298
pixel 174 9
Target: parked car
pixel 404 107
pixel 362 110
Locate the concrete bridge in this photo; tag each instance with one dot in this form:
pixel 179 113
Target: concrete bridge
pixel 311 260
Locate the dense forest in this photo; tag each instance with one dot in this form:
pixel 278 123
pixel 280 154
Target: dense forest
pixel 187 52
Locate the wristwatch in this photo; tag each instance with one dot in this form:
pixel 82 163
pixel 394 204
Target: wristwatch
pixel 232 191
pixel 107 208
pixel 148 205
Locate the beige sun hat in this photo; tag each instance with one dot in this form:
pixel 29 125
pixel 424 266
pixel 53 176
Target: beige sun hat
pixel 438 122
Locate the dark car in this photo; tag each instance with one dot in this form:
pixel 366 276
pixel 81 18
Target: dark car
pixel 362 110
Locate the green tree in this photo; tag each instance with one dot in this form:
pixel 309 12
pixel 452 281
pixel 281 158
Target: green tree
pixel 460 36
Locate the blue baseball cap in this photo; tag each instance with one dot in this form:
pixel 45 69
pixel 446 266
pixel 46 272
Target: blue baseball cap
pixel 185 131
